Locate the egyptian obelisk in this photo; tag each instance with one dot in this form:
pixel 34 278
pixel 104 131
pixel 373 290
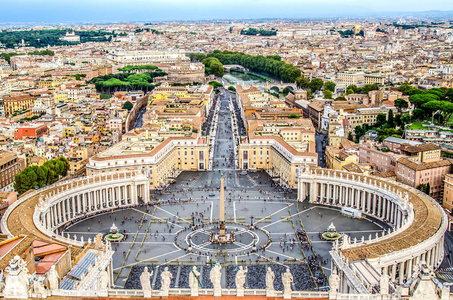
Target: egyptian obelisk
pixel 222 210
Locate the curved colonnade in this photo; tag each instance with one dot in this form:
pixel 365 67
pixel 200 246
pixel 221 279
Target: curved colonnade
pixel 418 224
pixel 41 213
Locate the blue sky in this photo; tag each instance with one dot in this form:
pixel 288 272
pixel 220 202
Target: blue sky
pixel 149 10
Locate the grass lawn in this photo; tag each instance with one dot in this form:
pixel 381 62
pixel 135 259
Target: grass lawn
pixel 417 125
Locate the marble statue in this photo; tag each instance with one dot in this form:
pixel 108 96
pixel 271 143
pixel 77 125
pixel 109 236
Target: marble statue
pixel 53 277
pixel 240 281
pixel 165 280
pixel 334 283
pixel 17 279
pixel 287 279
pixel 193 281
pixel 103 280
pixel 270 277
pixel 98 242
pixel 215 277
pixel 145 280
pixel 384 284
pixel 38 288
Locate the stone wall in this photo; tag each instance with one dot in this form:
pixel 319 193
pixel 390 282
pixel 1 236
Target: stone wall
pixel 139 104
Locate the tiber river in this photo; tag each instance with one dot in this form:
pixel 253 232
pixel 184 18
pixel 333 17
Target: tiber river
pixel 240 78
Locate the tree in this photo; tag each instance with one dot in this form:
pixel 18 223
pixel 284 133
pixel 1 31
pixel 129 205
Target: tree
pixel 302 82
pixel 419 99
pixel 214 65
pixel 359 132
pixel 215 84
pixel 128 105
pixel 447 110
pixel 350 137
pixel 232 88
pixel 354 88
pixel 437 92
pixel 39 176
pixel 449 95
pixel 432 107
pixel 404 88
pixel 327 94
pixel 406 118
pixel 400 104
pixel 390 119
pixel 316 84
pixel 341 98
pixel 370 87
pixel 329 85
pixel 418 114
pixel 398 121
pixel 381 119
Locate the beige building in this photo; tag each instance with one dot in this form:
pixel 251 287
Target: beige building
pixel 161 161
pixel 278 158
pixel 423 165
pixel 448 192
pixel 10 166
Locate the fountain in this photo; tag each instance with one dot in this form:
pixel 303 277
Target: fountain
pixel 114 235
pixel 331 233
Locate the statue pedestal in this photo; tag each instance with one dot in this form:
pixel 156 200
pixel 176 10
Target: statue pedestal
pixel 240 292
pixel 270 293
pixel 194 292
pixel 217 292
pixel 164 293
pixel 147 293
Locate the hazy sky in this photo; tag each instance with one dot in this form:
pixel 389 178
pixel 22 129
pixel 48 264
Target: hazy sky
pixel 149 10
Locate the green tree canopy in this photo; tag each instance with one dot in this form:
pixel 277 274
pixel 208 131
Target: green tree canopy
pixel 390 119
pixel 39 176
pixel 404 88
pixel 419 99
pixel 381 119
pixel 329 85
pixel 215 84
pixel 316 84
pixel 401 103
pixel 213 64
pixel 128 105
pixel 302 82
pixel 370 87
pixel 418 114
pixel 327 94
pixel 354 88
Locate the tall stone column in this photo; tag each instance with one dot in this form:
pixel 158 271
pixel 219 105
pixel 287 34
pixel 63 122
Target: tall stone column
pixel 401 273
pixel 134 199
pixel 409 269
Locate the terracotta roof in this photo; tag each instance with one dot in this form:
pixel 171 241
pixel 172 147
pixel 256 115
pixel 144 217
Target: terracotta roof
pixel 352 167
pixel 423 166
pixel 419 148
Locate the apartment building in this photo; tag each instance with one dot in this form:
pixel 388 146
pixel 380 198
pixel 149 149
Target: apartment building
pixel 10 166
pixel 162 161
pixel 423 165
pixel 448 192
pixel 12 104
